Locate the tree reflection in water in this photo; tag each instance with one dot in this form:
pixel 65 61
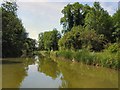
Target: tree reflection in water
pixel 46 72
pixel 48 67
pixel 14 71
pixel 77 75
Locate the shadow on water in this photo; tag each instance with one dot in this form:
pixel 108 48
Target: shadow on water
pixel 10 62
pixel 14 70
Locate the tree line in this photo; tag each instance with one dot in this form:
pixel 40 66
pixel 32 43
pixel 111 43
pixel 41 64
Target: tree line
pixel 15 41
pixel 84 27
pixel 49 40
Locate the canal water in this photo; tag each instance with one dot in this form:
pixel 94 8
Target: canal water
pixel 47 73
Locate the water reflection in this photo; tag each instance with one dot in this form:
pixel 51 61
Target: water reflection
pixel 83 76
pixel 41 72
pixel 48 67
pixel 14 71
pixel 76 75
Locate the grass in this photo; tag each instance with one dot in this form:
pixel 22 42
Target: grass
pixel 104 59
pixel 44 53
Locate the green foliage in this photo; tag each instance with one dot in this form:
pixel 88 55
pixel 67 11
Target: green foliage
pixel 44 53
pixel 79 38
pixel 91 40
pixel 12 30
pixel 113 48
pixel 41 41
pixel 116 21
pixel 96 30
pixel 74 15
pixel 99 20
pixel 49 40
pixel 48 67
pixel 71 40
pixel 13 33
pixel 108 59
pixel 66 54
pixel 67 20
pixel 83 56
pixel 104 59
pixel 10 7
pixel 86 29
pixel 29 47
pixel 98 27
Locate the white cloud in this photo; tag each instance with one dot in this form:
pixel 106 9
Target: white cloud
pixel 110 7
pixel 40 17
pixel 33 33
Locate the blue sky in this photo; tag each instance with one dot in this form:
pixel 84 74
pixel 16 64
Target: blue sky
pixel 43 15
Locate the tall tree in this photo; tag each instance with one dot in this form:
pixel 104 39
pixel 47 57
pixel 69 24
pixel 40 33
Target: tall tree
pixel 50 40
pixel 77 10
pixel 116 21
pixel 80 37
pixel 41 41
pixel 29 47
pixel 67 19
pixel 13 32
pixel 74 15
pixel 71 40
pixel 99 20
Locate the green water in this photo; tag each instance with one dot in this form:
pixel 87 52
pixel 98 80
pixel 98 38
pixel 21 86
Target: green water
pixel 47 73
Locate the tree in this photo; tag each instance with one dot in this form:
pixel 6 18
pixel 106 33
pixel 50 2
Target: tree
pixel 99 20
pixel 13 33
pixel 74 15
pixel 41 41
pixel 92 41
pixel 67 20
pixel 116 21
pixel 71 40
pixel 56 38
pixel 80 37
pixel 29 47
pixel 49 40
pixel 77 10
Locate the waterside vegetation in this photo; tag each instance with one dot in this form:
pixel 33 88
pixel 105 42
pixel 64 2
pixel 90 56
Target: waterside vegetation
pixel 90 35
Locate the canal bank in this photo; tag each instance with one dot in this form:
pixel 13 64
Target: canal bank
pixel 101 59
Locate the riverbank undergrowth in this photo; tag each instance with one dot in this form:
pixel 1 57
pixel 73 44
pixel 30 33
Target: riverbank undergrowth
pixel 104 59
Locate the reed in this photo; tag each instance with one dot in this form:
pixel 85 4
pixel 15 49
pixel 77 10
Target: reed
pixel 104 59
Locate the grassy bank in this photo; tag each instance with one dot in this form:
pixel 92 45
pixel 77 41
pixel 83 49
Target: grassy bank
pixel 104 59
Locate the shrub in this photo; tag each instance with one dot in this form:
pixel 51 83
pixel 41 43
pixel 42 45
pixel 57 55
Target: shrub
pixel 65 54
pixel 113 48
pixel 104 59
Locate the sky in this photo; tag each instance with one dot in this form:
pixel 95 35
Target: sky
pixel 43 15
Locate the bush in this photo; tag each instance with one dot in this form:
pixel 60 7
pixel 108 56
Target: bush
pixel 83 56
pixel 80 37
pixel 113 48
pixel 104 59
pixel 65 54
